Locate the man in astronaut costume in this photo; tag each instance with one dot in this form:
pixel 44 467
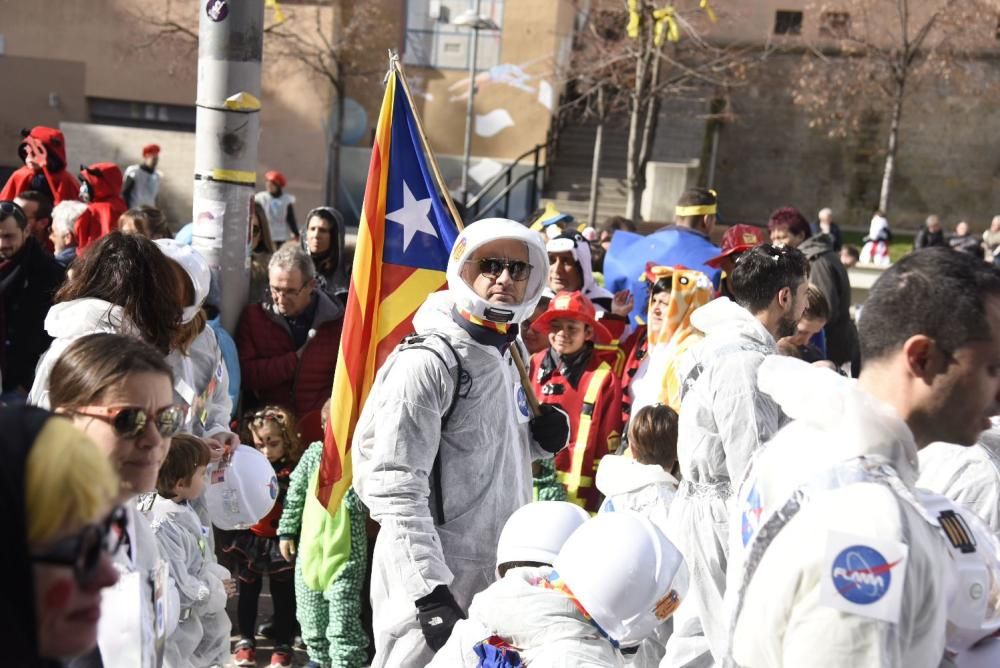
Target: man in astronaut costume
pixel 444 444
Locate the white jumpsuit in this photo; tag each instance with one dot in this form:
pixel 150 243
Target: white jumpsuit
pixel 202 635
pixel 785 618
pixel 485 456
pixel 967 475
pixel 724 419
pixel 543 624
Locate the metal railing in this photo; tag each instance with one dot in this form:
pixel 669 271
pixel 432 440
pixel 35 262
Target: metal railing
pixel 475 206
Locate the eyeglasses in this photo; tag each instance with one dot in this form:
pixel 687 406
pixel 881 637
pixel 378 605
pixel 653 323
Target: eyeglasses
pixel 129 421
pixel 287 292
pixel 82 551
pixel 8 208
pixel 492 267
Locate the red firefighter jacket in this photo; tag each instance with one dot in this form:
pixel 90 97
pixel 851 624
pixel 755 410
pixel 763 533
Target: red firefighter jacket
pixel 589 391
pixel 636 347
pixel 106 203
pixel 61 184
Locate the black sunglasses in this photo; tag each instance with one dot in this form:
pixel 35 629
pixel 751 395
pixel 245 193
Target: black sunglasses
pixel 129 421
pixel 492 267
pixel 8 208
pixel 82 551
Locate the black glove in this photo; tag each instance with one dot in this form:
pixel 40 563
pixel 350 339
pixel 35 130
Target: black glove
pixel 438 613
pixel 551 428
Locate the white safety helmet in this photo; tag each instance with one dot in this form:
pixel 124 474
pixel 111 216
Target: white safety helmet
pixel 671 586
pixel 483 232
pixel 197 269
pixel 974 598
pixel 537 531
pixel 615 565
pixel 242 489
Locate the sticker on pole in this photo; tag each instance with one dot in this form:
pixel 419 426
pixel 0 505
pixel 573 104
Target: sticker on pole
pixel 864 575
pixel 217 10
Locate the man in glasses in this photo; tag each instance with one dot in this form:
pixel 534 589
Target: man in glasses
pixel 444 444
pixel 29 278
pixel 288 343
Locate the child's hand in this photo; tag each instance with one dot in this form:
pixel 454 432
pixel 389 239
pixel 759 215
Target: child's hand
pixel 287 548
pixel 230 586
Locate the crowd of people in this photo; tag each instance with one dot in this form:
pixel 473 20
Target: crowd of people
pixel 597 448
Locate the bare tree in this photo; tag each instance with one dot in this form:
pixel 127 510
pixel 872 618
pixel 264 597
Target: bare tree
pixel 340 43
pixel 629 56
pixel 871 55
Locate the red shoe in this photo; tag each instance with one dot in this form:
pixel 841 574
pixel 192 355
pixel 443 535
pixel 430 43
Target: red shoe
pixel 245 655
pixel 281 657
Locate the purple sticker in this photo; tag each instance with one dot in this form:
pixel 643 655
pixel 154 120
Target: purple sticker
pixel 217 10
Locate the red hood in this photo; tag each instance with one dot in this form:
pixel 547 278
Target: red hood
pixel 105 179
pixel 54 142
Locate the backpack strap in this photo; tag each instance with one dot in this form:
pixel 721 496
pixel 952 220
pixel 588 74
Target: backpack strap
pixel 463 383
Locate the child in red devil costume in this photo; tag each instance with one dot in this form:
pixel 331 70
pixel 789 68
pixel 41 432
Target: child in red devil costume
pixel 571 374
pixel 101 188
pixel 43 152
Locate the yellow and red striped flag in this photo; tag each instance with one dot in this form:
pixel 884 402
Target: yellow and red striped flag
pixel 404 238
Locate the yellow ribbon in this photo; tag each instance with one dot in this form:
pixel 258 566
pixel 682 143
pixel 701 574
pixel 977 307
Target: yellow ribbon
pixel 633 19
pixel 279 16
pixel 665 25
pixel 700 210
pixel 708 10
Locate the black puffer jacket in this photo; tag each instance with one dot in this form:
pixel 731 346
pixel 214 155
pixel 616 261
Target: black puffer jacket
pixel 829 275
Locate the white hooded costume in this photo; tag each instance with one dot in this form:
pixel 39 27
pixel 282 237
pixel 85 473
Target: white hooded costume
pixel 724 419
pixel 575 244
pixel 202 634
pixel 967 475
pixel 543 623
pixel 484 454
pixel 842 566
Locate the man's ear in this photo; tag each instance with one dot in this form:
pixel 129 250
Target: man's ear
pixel 924 358
pixel 784 297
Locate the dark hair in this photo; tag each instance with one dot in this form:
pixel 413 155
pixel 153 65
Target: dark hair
pixel 762 272
pixel 96 363
pixel 130 271
pixel 186 454
pixel 665 284
pixel 791 218
pixel 852 251
pixel 326 263
pixel 695 197
pixel 653 436
pixel 615 223
pixel 11 209
pixel 43 201
pixel 149 222
pixel 936 292
pixel 817 306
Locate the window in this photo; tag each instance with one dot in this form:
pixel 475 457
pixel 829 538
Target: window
pixel 141 114
pixel 835 24
pixel 432 39
pixel 787 22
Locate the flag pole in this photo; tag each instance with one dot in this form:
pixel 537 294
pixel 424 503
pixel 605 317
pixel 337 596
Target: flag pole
pixel 515 352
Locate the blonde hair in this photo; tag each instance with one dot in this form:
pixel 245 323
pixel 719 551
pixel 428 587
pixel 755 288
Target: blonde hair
pixel 68 481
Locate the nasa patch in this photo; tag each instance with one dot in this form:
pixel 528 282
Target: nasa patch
pixel 752 510
pixel 272 487
pixel 522 402
pixel 865 576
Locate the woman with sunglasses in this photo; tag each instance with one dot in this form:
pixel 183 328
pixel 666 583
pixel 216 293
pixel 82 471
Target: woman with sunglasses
pixel 58 493
pixel 123 284
pixel 119 391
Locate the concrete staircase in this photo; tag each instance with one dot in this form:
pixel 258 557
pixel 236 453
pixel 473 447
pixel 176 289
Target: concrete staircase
pixel 568 185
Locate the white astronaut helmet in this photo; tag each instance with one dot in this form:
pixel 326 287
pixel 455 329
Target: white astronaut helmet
pixel 242 489
pixel 537 531
pixel 672 581
pixel 471 239
pixel 974 585
pixel 615 566
pixel 197 269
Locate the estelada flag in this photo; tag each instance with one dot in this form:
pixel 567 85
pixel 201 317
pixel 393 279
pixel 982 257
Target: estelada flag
pixel 404 238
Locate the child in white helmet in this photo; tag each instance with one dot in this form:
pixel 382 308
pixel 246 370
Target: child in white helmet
pixel 641 481
pixel 577 612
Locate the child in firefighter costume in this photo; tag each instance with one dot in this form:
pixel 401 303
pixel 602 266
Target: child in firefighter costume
pixel 572 375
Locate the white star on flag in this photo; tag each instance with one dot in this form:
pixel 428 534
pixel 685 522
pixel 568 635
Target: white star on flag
pixel 414 216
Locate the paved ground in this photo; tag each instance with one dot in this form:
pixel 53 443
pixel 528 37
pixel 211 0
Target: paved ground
pixel 264 645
